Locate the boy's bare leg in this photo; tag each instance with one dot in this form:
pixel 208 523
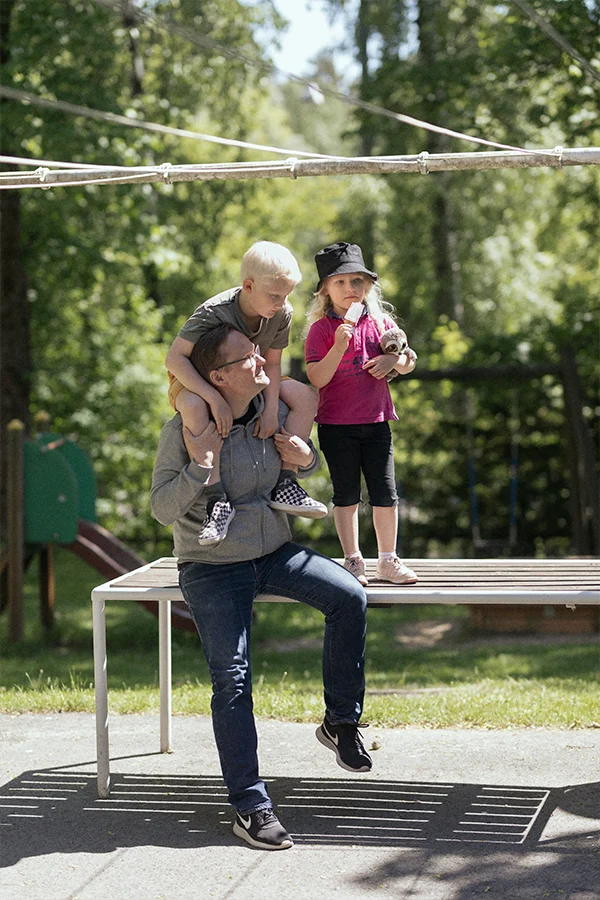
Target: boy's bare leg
pixel 287 494
pixel 219 511
pixel 195 414
pixel 302 401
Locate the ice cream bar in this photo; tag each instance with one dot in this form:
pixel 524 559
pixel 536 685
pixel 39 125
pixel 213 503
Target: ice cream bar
pixel 353 313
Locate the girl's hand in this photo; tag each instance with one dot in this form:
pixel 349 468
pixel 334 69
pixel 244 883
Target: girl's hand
pixel 267 424
pixel 379 366
pixel 292 449
pixel 343 334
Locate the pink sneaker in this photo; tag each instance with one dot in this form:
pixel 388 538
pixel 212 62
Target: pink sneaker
pixel 395 571
pixel 356 567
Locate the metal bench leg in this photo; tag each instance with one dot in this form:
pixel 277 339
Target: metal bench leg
pixel 101 688
pixel 164 638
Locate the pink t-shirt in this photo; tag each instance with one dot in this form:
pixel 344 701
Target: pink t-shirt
pixel 353 396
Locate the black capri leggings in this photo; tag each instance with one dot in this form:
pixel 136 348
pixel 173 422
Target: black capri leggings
pixel 350 449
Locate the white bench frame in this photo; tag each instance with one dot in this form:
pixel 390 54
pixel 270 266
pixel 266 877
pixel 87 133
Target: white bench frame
pixel 118 589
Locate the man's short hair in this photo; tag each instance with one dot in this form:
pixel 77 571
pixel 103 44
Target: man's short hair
pixel 265 261
pixel 207 352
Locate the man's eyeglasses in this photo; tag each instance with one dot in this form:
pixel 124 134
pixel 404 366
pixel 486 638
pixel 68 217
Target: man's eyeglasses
pixel 254 352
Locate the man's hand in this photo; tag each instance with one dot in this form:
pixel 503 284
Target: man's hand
pixel 221 414
pixel 267 423
pixel 292 449
pixel 203 447
pixel 379 366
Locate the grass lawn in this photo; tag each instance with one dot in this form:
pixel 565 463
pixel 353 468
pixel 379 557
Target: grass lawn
pixel 415 674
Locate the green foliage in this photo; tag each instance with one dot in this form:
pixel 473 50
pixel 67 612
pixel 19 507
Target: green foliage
pixel 509 255
pixel 482 267
pixel 114 271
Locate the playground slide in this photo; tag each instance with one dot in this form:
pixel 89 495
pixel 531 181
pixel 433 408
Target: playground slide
pixel 111 557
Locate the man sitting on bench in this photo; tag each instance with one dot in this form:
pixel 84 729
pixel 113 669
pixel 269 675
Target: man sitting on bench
pixel 219 583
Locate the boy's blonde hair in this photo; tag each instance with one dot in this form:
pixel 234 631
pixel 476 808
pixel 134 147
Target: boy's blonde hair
pixel 376 305
pixel 265 261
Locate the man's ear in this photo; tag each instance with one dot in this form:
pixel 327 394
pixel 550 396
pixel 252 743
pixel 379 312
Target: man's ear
pixel 248 285
pixel 217 377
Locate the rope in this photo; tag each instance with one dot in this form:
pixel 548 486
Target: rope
pixel 209 44
pixel 22 161
pixel 89 113
pixel 558 39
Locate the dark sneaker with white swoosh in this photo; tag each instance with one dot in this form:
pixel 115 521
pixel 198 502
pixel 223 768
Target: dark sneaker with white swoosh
pixel 346 743
pixel 262 829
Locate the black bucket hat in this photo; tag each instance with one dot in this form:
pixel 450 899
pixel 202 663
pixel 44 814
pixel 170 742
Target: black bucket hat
pixel 339 258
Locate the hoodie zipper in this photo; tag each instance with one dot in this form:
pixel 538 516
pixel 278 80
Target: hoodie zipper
pixel 256 464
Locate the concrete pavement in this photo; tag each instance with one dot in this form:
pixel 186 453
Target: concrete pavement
pixel 444 815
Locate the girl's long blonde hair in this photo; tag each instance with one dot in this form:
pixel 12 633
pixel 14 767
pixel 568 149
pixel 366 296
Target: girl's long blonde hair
pixel 376 306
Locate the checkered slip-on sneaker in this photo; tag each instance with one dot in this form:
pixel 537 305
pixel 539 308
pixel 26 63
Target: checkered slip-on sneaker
pixel 290 498
pixel 262 829
pixel 346 743
pixel 214 528
pixel 396 571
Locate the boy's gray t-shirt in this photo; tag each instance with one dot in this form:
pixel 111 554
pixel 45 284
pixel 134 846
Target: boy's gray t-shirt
pixel 225 307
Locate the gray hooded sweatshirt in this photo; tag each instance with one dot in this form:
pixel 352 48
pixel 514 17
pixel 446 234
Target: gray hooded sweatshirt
pixel 250 468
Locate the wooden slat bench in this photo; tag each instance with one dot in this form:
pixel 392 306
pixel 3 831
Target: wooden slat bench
pixel 548 582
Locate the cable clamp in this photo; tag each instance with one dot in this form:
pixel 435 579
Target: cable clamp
pixel 292 164
pixel 559 152
pixel 43 172
pixel 423 161
pixel 570 606
pixel 166 172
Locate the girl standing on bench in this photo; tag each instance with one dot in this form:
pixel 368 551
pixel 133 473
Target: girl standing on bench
pixel 344 360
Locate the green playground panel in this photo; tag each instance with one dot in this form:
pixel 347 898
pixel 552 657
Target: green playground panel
pixel 51 496
pixel 84 473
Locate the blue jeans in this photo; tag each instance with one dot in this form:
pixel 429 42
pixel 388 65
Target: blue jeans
pixel 220 600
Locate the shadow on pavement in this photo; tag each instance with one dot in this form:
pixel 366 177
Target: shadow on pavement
pixel 57 811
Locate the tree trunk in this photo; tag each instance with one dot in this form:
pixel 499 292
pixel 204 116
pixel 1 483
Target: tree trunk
pixel 366 132
pixel 447 291
pixel 137 63
pixel 585 494
pixel 15 356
